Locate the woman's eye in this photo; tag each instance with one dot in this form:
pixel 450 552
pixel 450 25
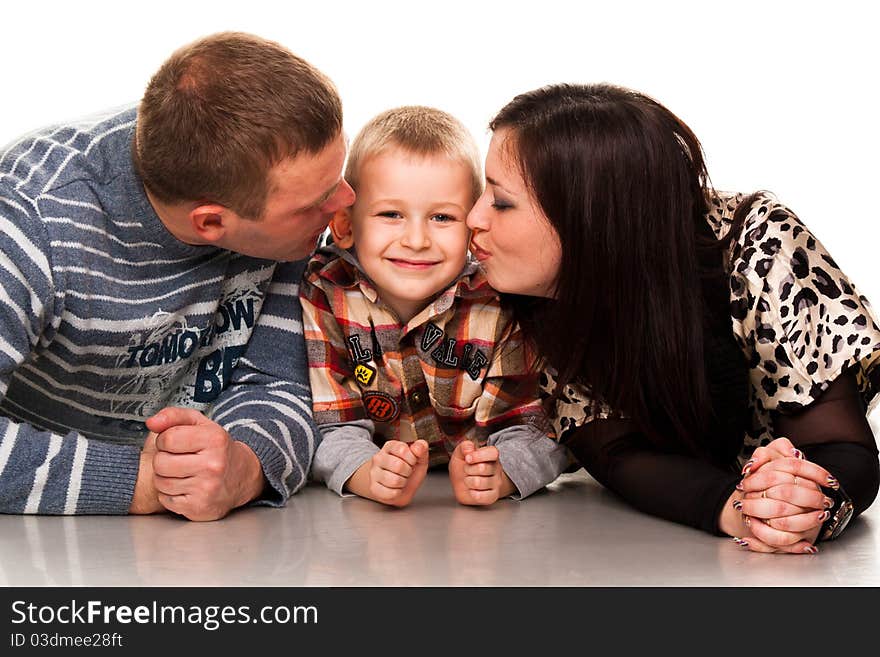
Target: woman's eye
pixel 501 205
pixel 443 218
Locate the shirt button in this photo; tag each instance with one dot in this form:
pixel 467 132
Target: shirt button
pixel 416 397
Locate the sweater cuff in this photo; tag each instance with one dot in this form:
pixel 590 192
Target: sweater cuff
pixel 109 474
pixel 273 463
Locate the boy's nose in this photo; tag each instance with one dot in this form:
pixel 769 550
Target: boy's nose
pixel 415 235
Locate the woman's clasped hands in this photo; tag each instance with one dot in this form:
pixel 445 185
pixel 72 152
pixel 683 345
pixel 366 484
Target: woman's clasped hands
pixel 781 500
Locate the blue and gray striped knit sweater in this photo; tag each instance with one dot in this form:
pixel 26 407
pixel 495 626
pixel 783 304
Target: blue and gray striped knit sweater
pixel 105 318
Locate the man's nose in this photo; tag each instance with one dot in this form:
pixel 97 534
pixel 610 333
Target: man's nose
pixel 343 197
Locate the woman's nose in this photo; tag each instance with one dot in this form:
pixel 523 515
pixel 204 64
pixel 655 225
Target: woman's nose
pixel 476 219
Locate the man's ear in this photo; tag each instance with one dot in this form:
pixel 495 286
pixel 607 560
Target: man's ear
pixel 211 222
pixel 340 228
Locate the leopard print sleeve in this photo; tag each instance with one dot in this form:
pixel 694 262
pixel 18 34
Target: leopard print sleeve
pixel 798 318
pixel 574 407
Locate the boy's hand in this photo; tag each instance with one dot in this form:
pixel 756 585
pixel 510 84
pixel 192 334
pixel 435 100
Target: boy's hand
pixel 393 475
pixel 477 476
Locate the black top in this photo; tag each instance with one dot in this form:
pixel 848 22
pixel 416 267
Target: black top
pixel 832 432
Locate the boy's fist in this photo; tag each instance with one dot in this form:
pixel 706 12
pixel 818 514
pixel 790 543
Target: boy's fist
pixel 477 476
pixel 395 473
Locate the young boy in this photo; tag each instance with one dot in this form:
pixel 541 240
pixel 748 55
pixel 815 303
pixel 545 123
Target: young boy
pixel 412 361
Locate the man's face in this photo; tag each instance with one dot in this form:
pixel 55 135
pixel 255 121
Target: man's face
pixel 304 194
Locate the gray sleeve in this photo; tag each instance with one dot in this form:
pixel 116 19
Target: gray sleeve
pixel 41 471
pixel 529 457
pixel 268 403
pixel 344 447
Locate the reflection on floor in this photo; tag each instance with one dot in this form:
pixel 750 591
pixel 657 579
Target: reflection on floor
pixel 573 534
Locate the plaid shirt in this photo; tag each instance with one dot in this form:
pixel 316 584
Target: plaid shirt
pixel 457 370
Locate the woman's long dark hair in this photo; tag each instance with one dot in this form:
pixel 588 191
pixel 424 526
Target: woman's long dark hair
pixel 624 184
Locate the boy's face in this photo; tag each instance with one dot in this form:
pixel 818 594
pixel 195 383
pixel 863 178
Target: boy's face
pixel 408 226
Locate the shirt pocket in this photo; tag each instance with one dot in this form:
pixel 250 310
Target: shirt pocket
pixel 454 412
pixel 458 422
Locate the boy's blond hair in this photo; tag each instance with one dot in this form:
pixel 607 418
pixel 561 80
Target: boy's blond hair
pixel 418 130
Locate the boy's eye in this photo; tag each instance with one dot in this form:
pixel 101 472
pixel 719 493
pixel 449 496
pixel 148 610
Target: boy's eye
pixel 390 214
pixel 443 218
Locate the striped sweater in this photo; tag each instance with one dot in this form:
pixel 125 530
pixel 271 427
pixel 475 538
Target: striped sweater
pixel 106 318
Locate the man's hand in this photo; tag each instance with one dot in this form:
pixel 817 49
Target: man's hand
pixel 145 499
pixel 393 475
pixel 477 476
pixel 198 470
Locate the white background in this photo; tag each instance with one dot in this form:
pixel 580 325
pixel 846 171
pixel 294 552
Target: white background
pixel 783 95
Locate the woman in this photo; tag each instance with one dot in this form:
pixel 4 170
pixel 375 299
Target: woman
pixel 706 359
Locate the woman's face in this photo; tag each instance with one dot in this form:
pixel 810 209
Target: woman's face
pixel 513 239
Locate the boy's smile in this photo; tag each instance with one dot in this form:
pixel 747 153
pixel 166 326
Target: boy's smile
pixel 413 264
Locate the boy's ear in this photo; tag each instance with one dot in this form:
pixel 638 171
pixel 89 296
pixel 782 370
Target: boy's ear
pixel 340 228
pixel 211 222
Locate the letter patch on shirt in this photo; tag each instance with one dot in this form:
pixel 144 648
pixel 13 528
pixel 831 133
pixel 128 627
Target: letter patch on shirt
pixel 430 336
pixel 380 407
pixel 358 353
pixel 364 374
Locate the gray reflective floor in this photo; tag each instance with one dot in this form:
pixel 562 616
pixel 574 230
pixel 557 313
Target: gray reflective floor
pixel 573 534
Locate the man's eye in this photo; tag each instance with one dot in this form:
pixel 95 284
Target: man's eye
pixel 443 218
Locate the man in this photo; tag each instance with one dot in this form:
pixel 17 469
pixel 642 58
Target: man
pixel 151 351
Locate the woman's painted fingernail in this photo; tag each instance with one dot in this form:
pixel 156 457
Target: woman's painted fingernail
pixel 747 467
pixel 832 482
pixel 811 549
pixel 740 486
pixel 824 516
pixel 738 505
pixel 798 454
pixel 828 503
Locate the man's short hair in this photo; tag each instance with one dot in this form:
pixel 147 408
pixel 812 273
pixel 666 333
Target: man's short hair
pixel 418 130
pixel 222 111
